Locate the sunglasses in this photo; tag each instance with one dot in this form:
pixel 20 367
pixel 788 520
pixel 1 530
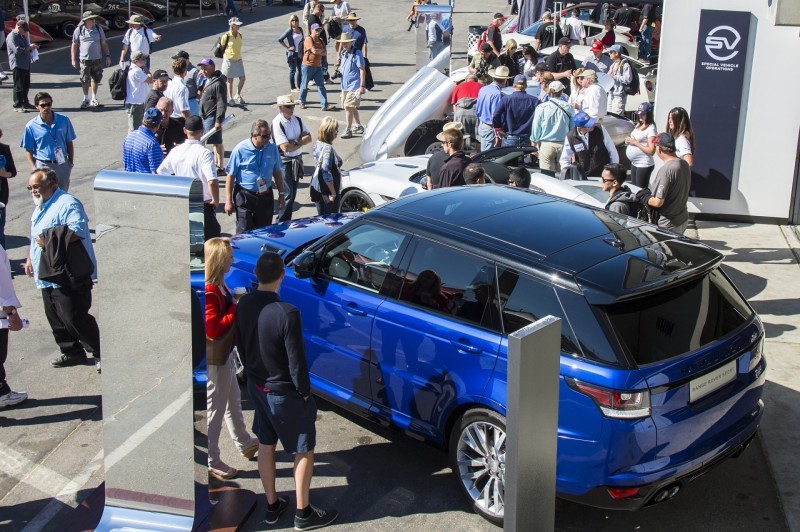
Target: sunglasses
pixel 45 104
pixel 35 187
pixel 608 180
pixel 264 137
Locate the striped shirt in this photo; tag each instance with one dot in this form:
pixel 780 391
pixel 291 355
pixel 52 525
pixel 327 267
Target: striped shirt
pixel 141 152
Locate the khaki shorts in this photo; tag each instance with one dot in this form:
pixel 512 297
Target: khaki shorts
pixel 91 69
pixel 351 99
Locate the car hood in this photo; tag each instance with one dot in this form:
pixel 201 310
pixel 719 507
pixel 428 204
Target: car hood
pixel 423 97
pixel 284 238
pixel 389 178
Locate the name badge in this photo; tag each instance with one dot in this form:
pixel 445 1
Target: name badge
pixel 579 148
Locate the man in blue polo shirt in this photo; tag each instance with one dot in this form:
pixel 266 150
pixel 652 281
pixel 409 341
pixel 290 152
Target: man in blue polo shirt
pixel 488 99
pixel 353 74
pixel 47 140
pixel 141 151
pixel 254 166
pixel 513 116
pixel 66 307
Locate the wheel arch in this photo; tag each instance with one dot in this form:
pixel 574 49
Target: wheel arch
pixel 459 411
pixel 424 131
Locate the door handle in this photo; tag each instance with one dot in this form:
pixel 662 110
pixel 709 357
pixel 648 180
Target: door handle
pixel 466 347
pixel 353 309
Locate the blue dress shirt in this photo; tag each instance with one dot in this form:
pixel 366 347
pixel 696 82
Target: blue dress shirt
pixel 43 140
pixel 248 163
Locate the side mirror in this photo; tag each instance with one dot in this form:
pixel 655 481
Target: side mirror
pixel 305 265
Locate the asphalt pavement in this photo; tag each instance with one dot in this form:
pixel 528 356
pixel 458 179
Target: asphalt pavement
pixel 51 446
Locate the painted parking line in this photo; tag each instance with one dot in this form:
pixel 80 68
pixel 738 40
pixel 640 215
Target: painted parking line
pixel 67 494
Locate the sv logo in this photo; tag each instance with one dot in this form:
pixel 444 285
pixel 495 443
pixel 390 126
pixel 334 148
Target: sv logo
pixel 722 39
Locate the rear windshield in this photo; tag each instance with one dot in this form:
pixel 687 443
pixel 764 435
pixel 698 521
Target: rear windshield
pixel 679 320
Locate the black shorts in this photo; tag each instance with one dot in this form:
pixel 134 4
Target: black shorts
pixel 286 417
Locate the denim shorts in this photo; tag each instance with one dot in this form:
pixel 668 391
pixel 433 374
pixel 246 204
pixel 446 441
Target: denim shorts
pixel 284 417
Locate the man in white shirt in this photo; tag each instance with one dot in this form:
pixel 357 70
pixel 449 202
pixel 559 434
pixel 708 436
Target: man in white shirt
pixel 573 28
pixel 291 134
pixel 138 39
pixel 138 85
pixel 177 91
pixel 192 159
pixel 592 99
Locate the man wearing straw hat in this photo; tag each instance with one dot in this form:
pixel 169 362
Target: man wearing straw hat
pixel 89 47
pixel 488 99
pixel 353 71
pixel 290 134
pixel 138 39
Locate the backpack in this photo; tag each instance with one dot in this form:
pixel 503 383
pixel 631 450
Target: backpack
pixel 633 87
pixel 483 39
pixel 118 83
pixel 146 38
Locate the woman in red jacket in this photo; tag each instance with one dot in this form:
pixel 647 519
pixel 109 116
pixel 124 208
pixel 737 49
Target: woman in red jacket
pixel 224 399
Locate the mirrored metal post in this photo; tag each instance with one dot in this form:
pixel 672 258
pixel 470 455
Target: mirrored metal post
pixel 434 26
pixel 145 246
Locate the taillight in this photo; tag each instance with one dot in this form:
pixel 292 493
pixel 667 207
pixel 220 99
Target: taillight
pixel 623 493
pixel 756 355
pixel 615 403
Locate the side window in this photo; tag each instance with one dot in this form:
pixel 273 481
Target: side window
pixel 363 256
pixel 449 281
pixel 524 301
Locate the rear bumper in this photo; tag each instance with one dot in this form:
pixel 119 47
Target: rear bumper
pixel 599 497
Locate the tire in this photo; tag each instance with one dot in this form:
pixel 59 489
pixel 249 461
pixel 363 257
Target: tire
pixel 479 438
pixel 423 140
pixel 207 4
pixel 119 22
pixel 355 201
pixel 66 29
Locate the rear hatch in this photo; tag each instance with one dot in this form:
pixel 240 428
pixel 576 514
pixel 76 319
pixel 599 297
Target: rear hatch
pixel 698 344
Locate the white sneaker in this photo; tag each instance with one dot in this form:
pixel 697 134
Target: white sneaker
pixel 240 100
pixel 94 103
pixel 12 398
pixel 85 104
pixel 358 130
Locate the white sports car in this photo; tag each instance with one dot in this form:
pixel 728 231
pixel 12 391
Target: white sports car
pixel 377 182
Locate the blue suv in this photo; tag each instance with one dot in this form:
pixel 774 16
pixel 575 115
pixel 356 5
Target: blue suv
pixel 407 311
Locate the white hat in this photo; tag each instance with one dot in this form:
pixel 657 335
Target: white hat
pixel 234 21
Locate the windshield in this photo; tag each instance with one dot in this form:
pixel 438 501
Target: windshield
pixel 679 320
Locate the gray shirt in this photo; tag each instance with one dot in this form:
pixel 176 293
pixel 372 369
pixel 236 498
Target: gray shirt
pixel 89 42
pixel 18 54
pixel 672 184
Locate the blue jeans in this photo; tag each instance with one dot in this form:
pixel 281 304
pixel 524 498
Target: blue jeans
pixel 231 8
pixel 295 70
pixel 515 140
pixel 645 47
pixel 486 136
pixel 328 208
pixel 315 73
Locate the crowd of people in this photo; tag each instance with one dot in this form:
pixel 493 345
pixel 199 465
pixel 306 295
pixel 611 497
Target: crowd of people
pixel 171 117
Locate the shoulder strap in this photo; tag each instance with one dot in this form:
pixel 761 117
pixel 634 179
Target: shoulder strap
pixel 223 303
pixel 299 121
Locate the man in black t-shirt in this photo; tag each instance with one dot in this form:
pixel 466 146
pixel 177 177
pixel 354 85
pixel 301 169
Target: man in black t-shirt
pixel 625 16
pixel 561 63
pixel 548 33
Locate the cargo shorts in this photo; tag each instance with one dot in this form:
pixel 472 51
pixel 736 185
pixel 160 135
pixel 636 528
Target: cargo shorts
pixel 91 69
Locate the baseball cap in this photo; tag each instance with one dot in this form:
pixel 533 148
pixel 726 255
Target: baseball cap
pixel 152 116
pixel 597 46
pixel 181 55
pixel 138 54
pixel 581 119
pixel 665 140
pixel 194 123
pixel 206 61
pixel 234 21
pixel 160 74
pixel 486 47
pixel 520 80
pixel 564 40
pixel 541 67
pixel 644 108
pixel 315 26
pixel 616 48
pixel 555 86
